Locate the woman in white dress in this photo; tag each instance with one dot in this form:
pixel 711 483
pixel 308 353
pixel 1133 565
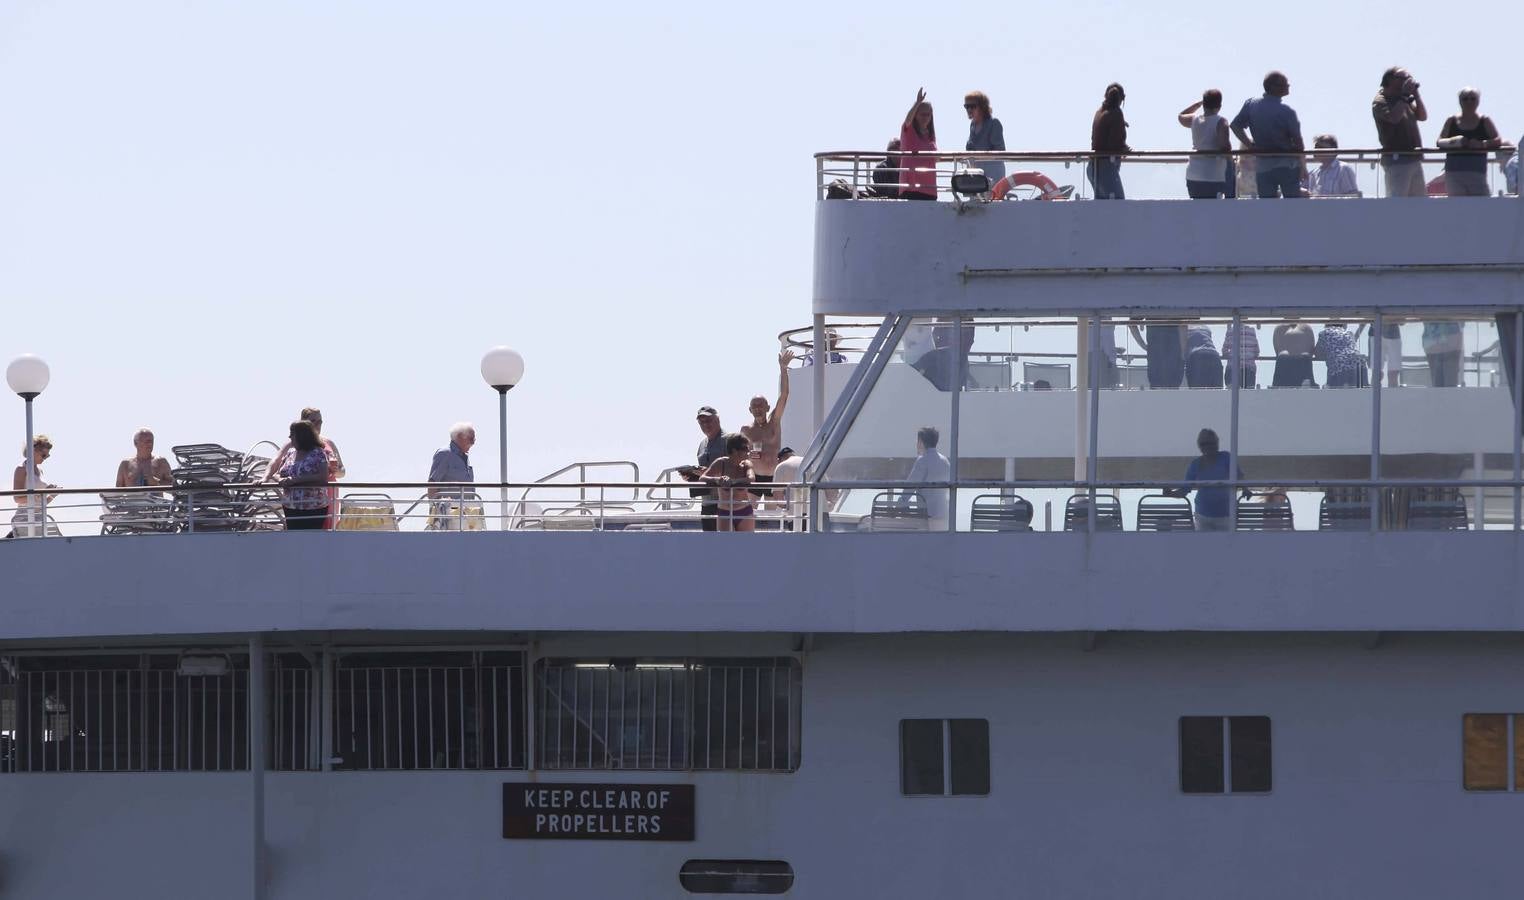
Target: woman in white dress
pixel 28 522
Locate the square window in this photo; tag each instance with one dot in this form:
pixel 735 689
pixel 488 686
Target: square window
pixel 1225 754
pixel 944 757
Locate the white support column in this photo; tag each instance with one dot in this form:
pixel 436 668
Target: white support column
pixel 1092 421
pixel 821 355
pixel 1236 367
pixel 1518 412
pixel 1378 374
pixel 960 375
pixel 1081 399
pixel 257 708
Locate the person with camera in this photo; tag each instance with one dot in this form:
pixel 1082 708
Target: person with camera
pixel 1397 109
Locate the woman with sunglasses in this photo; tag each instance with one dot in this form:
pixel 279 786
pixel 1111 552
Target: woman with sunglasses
pixel 984 134
pixel 918 176
pixel 27 522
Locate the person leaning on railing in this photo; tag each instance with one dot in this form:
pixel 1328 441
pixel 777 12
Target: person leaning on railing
pixel 1468 137
pixel 985 133
pixel 304 477
pixel 1266 123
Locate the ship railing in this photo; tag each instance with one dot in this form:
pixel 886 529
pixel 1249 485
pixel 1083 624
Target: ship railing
pixel 1480 367
pixel 828 505
pixel 1254 505
pixel 1146 174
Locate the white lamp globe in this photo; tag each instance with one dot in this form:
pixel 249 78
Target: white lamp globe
pixel 27 375
pixel 502 368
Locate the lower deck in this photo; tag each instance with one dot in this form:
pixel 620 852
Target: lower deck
pixel 1356 751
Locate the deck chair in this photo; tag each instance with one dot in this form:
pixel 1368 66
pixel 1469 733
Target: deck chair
pixel 1108 513
pixel 366 512
pixel 1344 509
pixel 458 512
pixel 1161 512
pixel 1275 516
pixel 992 512
pixel 137 513
pixel 1437 509
pixel 906 512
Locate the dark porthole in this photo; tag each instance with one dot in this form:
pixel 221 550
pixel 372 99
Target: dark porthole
pixel 736 876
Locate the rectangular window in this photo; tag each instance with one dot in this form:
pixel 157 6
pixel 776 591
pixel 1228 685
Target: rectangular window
pixel 1492 751
pixel 429 710
pixel 737 715
pixel 1224 754
pixel 945 757
pixel 131 712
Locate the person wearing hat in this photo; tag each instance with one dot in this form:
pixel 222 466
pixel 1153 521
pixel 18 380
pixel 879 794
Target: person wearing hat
pixel 711 447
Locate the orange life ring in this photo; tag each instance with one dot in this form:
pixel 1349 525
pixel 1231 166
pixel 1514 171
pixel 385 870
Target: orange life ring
pixel 1046 189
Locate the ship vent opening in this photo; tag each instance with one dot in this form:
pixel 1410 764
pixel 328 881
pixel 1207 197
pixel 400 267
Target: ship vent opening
pixel 736 876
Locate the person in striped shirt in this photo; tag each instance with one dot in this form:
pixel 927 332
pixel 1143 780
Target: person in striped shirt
pixel 1240 346
pixel 1331 178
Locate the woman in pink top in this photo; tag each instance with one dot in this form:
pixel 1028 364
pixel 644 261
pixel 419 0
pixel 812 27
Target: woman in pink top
pixel 918 181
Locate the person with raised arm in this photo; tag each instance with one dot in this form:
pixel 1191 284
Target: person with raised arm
pixel 1397 109
pixel 918 177
pixel 1208 177
pixel 1468 137
pixel 765 432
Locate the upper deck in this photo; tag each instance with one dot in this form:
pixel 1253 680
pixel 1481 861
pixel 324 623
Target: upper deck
pixel 875 256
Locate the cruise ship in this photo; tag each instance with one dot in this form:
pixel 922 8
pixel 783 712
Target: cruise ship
pixel 1032 676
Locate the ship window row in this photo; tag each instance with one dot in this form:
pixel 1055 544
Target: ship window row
pixel 1334 420
pixel 393 709
pixel 1218 755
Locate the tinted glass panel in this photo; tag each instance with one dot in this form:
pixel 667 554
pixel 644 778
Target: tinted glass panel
pixel 736 876
pixel 1249 745
pixel 921 756
pixel 1201 754
pixel 970 746
pixel 1485 740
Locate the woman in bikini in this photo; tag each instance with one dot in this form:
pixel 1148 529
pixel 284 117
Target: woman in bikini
pixel 731 474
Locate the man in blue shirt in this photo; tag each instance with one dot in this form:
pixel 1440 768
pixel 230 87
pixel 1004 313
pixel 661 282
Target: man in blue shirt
pixel 1213 504
pixel 1274 127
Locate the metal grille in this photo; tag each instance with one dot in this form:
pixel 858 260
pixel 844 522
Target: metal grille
pixel 293 729
pixel 451 710
pixel 712 714
pixel 121 714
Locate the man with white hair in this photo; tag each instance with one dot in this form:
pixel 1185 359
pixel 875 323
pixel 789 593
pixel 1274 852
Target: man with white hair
pixel 143 469
pixel 453 463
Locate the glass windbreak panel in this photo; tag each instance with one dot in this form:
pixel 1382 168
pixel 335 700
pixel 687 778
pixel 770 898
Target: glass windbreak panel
pixel 1016 420
pixel 1484 740
pixel 921 757
pixel 1446 415
pixel 1305 409
pixel 1154 431
pixel 902 437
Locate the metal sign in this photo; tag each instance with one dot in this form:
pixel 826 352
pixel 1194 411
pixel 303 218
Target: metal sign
pixel 598 812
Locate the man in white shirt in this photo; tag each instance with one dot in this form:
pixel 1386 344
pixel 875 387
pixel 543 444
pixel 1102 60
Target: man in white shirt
pixel 795 500
pixel 930 466
pixel 1331 178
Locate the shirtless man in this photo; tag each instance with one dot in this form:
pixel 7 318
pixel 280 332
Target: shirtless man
pixel 766 429
pixel 143 469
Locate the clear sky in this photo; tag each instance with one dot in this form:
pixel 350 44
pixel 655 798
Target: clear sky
pixel 213 213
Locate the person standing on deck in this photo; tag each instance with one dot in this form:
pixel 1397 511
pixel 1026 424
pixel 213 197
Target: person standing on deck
pixel 1398 109
pixel 766 429
pixel 1267 124
pixel 918 176
pixel 1213 510
pixel 1108 135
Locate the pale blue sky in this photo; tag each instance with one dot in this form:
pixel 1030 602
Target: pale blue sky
pixel 214 213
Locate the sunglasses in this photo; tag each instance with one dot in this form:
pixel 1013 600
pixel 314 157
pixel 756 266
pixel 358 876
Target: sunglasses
pixel 970 106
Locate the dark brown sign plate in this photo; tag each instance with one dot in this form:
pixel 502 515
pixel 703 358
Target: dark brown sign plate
pixel 598 812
